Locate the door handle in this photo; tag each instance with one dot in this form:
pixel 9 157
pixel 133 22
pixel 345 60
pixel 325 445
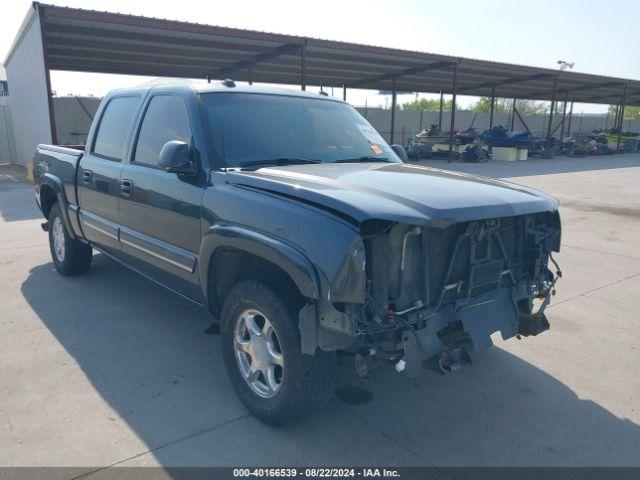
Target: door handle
pixel 126 187
pixel 86 176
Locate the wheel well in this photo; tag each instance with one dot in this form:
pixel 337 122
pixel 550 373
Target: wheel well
pixel 229 266
pixel 48 198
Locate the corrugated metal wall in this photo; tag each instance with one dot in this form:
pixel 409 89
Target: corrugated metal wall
pixel 73 118
pixel 7 148
pixel 28 94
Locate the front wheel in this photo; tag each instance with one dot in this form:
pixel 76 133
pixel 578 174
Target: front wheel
pixel 261 348
pixel 70 256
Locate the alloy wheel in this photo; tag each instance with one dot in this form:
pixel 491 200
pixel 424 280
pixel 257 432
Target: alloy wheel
pixel 258 353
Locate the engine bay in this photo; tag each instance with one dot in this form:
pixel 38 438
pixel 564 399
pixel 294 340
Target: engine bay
pixel 435 294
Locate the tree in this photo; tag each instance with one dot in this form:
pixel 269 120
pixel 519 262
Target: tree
pixel 501 105
pixel 630 112
pixel 531 107
pixel 505 105
pixel 429 105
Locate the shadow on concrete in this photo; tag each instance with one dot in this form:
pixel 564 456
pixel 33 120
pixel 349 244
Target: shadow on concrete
pixel 537 166
pixel 13 180
pixel 145 353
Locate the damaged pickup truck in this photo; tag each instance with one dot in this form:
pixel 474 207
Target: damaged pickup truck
pixel 287 217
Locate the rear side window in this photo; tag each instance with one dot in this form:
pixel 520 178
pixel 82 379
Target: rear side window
pixel 114 127
pixel 166 119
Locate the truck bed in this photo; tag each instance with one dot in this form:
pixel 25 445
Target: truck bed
pixel 58 163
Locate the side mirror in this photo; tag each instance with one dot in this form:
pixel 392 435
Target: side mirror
pixel 175 157
pixel 400 151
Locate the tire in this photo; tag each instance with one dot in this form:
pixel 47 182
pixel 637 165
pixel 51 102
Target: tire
pixel 70 256
pixel 305 381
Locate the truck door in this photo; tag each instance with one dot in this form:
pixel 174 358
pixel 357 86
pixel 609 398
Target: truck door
pixel 99 171
pixel 160 212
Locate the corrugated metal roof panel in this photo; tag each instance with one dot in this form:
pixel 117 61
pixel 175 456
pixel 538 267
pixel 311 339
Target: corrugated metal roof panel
pixel 86 40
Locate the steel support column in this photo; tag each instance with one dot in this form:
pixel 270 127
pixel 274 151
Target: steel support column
pixel 622 105
pixel 553 106
pixel 440 114
pixel 453 108
pixel 620 116
pixel 303 65
pixel 393 110
pixel 344 93
pixel 493 101
pixel 564 115
pixel 570 120
pixel 512 122
pixel 52 116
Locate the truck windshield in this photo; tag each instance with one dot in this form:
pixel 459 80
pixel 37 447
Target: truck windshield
pixel 253 129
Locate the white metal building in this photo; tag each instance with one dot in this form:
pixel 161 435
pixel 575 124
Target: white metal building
pixel 7 150
pixel 29 85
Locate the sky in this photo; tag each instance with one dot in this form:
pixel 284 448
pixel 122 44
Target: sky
pixel 600 38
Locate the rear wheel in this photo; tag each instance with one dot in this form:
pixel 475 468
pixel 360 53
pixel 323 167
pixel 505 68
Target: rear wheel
pixel 261 348
pixel 70 256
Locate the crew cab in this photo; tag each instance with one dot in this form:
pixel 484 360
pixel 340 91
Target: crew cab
pixel 290 220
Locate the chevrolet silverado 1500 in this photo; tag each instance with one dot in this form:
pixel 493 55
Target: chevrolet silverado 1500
pixel 287 217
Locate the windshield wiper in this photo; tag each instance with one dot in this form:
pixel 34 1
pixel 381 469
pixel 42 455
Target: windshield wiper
pixel 276 162
pixel 364 158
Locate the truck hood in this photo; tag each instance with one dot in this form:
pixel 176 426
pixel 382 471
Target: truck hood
pixel 395 192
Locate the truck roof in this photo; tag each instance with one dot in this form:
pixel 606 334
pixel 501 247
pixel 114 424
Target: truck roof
pixel 225 86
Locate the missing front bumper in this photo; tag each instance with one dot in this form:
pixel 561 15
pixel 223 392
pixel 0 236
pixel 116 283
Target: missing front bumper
pixel 448 339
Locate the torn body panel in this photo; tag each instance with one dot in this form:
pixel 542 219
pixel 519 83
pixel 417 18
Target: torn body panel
pixel 446 290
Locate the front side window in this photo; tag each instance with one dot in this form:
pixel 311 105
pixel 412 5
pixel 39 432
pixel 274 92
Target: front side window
pixel 248 128
pixel 166 119
pixel 114 127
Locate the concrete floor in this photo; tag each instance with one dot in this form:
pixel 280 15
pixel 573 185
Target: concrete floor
pixel 106 369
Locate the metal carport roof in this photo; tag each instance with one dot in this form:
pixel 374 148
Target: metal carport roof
pixel 71 39
pixel 92 41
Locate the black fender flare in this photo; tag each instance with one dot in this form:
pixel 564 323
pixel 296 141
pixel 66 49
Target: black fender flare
pixel 56 185
pixel 291 260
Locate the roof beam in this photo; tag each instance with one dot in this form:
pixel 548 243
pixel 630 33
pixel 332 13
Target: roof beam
pixel 130 66
pixel 590 86
pixel 139 22
pixel 612 97
pixel 580 88
pixel 128 58
pixel 83 50
pixel 259 58
pixel 100 46
pixel 83 33
pixel 402 73
pixel 506 81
